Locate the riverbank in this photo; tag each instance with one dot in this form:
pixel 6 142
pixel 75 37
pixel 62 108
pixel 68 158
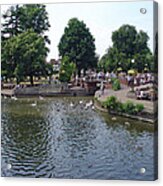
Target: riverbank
pixel 49 91
pixel 149 113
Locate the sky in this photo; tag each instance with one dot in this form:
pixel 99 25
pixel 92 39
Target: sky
pixel 101 18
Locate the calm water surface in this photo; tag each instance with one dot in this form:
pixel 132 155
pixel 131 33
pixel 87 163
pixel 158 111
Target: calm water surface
pixel 57 140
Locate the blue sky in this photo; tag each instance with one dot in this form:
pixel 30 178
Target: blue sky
pixel 101 18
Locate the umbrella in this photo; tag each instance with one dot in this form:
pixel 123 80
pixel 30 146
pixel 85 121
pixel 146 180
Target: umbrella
pixel 119 69
pixel 131 71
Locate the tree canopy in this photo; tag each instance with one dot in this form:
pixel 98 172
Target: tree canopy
pixel 24 41
pixel 128 44
pixel 25 53
pixel 77 43
pixel 20 18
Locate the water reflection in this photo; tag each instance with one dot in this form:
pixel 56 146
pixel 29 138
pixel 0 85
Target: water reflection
pixel 61 138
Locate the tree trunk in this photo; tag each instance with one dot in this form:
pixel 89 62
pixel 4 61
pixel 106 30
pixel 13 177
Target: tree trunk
pixel 31 80
pixel 79 73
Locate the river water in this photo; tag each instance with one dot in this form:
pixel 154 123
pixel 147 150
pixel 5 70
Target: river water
pixel 60 138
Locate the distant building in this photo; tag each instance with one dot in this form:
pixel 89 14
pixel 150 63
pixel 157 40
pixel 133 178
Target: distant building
pixel 56 64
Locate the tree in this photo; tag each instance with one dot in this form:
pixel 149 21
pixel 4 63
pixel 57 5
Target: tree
pixel 19 19
pixel 11 26
pixel 77 43
pixel 27 52
pixel 128 44
pixel 66 70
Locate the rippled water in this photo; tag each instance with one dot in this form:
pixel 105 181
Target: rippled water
pixel 58 140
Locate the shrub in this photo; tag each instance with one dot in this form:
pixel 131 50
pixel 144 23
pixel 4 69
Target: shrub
pixel 116 84
pixel 139 107
pixel 111 103
pixel 129 107
pixel 120 107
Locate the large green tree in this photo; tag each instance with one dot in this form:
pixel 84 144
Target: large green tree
pixel 26 52
pixel 18 19
pixel 77 43
pixel 128 44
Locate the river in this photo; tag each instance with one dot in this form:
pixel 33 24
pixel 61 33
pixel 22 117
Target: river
pixel 61 138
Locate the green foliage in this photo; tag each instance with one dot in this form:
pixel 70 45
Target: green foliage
pixel 27 53
pixel 66 70
pixel 111 103
pixel 78 44
pixel 128 107
pixel 116 84
pixel 24 43
pixel 139 107
pixel 20 18
pixel 128 44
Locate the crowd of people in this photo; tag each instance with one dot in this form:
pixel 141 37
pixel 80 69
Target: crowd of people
pixel 144 85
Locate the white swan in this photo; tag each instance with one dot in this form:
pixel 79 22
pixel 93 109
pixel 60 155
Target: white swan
pixel 80 101
pixel 34 104
pixel 14 98
pixel 71 104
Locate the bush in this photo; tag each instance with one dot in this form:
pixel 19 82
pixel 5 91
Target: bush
pixel 129 107
pixel 111 103
pixel 139 107
pixel 116 84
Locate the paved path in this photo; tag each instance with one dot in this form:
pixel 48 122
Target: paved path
pixel 121 95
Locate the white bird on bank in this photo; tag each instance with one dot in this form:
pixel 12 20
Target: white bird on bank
pixel 5 97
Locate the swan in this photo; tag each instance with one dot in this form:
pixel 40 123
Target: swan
pixel 34 104
pixel 80 101
pixel 71 104
pixel 14 98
